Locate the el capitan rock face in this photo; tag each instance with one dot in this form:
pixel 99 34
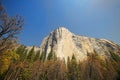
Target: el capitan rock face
pixel 64 43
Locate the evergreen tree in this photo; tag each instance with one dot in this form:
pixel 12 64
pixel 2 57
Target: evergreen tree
pixel 115 57
pixel 52 56
pixel 31 55
pixel 37 56
pixel 72 69
pixel 42 56
pixel 73 57
pixel 22 52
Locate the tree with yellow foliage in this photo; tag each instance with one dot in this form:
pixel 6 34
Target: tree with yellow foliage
pixel 9 28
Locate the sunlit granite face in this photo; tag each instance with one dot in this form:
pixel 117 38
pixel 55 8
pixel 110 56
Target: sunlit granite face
pixel 64 44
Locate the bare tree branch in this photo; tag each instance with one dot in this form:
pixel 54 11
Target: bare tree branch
pixel 9 28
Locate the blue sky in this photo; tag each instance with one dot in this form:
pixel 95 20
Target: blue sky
pixel 92 18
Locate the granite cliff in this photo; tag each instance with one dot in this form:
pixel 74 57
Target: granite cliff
pixel 65 43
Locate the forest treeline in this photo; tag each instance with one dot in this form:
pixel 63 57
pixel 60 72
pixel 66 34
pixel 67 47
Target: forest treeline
pixel 19 63
pixel 34 65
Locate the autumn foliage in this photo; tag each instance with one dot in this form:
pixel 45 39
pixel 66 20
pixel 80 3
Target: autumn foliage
pixel 19 63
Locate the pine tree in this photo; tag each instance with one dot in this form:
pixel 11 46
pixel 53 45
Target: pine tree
pixel 72 68
pixel 42 56
pixel 73 57
pixel 50 55
pixel 22 52
pixel 37 56
pixel 31 55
